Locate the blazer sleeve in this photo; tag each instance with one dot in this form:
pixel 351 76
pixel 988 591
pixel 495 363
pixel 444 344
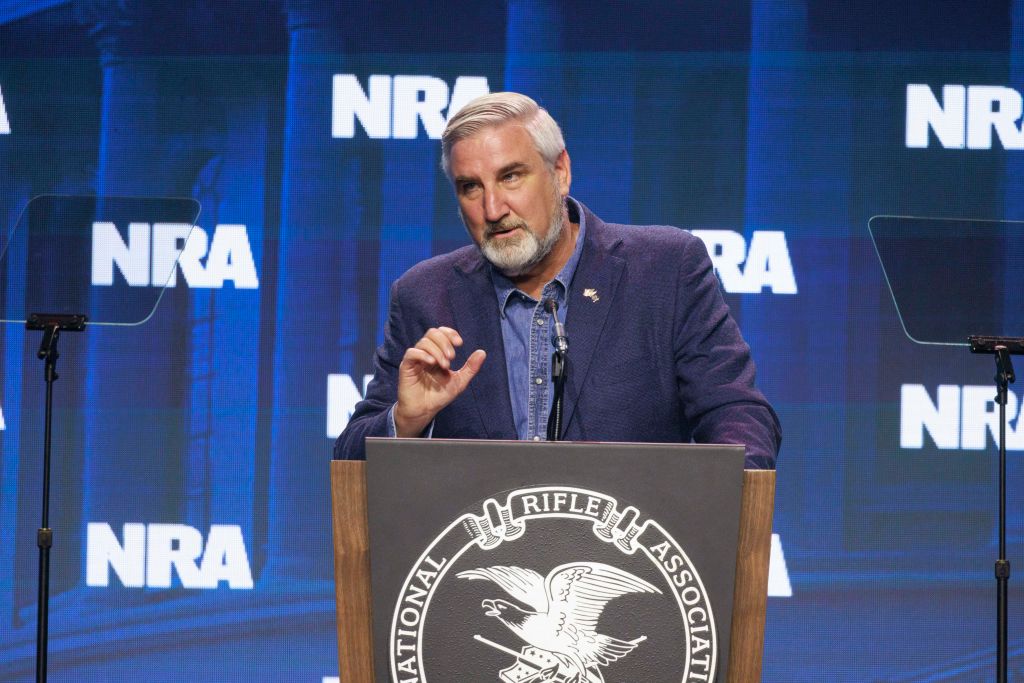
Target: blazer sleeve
pixel 714 369
pixel 370 417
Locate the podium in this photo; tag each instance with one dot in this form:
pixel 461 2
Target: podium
pixel 353 585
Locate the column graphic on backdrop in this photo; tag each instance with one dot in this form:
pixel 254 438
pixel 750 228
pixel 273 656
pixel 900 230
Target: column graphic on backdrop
pixel 222 480
pixel 328 205
pixel 131 138
pixel 537 63
pixel 200 477
pixel 13 568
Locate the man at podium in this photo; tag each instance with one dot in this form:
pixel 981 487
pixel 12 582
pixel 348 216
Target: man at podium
pixel 653 353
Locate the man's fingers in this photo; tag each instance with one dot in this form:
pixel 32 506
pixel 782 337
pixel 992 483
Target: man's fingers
pixel 430 345
pixel 444 339
pixel 415 355
pixel 453 336
pixel 437 348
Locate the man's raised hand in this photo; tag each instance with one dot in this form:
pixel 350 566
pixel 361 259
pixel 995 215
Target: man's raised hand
pixel 426 381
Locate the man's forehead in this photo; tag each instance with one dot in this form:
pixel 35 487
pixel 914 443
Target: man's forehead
pixel 493 148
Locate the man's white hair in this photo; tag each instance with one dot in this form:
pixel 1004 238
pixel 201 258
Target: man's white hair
pixel 497 109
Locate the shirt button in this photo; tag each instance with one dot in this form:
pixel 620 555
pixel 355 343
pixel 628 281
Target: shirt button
pixel 539 321
pixel 538 380
pixel 536 438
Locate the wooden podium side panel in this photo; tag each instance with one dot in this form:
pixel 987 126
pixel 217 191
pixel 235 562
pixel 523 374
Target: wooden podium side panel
pixel 750 595
pixel 352 572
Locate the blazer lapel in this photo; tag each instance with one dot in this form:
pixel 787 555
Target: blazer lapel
pixel 592 297
pixel 475 310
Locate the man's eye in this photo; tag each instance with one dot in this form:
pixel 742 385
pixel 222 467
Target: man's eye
pixel 468 187
pixel 511 177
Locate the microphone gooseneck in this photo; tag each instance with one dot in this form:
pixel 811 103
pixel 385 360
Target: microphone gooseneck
pixel 560 342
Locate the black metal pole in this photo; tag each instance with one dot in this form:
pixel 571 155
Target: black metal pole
pixel 44 536
pixel 51 325
pixel 1004 376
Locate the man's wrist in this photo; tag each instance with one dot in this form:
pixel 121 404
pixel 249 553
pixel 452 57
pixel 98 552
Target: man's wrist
pixel 405 428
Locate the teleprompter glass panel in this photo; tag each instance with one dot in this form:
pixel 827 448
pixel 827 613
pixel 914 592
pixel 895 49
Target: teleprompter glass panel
pixel 947 275
pixel 109 258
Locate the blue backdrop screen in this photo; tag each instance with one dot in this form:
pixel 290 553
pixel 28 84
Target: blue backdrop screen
pixel 190 492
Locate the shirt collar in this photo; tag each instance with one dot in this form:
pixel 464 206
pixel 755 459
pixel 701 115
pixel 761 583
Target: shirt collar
pixel 506 289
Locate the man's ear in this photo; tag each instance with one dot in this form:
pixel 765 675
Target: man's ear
pixel 563 172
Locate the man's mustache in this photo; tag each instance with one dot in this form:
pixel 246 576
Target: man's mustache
pixel 505 225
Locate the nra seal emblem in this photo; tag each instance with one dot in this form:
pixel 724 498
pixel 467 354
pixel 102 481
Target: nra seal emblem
pixel 553 584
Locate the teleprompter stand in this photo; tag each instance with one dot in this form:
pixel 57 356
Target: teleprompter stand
pixel 51 247
pixel 1002 348
pixel 949 279
pixel 51 325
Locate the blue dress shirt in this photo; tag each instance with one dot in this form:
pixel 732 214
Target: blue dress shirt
pixel 526 335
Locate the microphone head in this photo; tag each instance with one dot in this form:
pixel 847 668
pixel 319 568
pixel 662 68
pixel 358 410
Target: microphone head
pixel 551 306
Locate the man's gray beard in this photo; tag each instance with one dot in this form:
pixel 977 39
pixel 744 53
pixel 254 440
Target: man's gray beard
pixel 526 251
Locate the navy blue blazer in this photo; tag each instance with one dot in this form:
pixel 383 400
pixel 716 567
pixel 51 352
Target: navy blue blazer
pixel 654 356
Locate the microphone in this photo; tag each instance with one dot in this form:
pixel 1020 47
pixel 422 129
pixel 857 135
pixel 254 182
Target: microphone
pixel 559 339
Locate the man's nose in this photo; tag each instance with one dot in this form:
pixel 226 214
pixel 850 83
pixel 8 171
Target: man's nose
pixel 495 207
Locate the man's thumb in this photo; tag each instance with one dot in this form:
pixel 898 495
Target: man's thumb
pixel 473 364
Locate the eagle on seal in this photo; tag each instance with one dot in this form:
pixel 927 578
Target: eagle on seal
pixel 564 610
